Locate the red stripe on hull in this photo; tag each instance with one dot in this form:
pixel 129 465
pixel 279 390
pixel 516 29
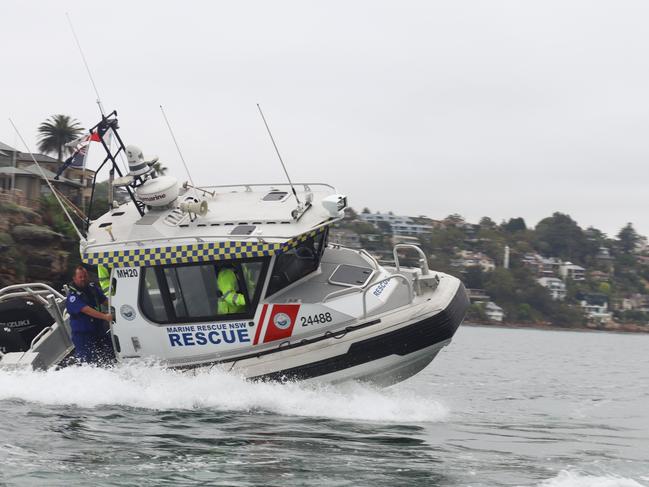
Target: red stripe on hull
pixel 260 324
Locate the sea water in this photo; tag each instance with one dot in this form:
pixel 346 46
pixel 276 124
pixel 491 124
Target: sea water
pixel 497 407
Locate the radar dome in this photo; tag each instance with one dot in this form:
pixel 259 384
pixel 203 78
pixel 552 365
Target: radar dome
pixel 160 191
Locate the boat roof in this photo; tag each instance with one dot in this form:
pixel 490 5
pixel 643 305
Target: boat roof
pixel 242 221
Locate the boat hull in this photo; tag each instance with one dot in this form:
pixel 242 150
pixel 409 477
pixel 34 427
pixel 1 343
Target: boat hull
pixel 384 358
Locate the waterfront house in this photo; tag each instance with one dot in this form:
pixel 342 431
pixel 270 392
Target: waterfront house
pixel 494 312
pixel 595 306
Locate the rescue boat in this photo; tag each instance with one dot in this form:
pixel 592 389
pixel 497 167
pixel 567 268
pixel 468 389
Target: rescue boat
pixel 312 309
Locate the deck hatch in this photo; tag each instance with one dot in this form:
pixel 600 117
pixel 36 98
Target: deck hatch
pixel 243 230
pixel 351 275
pixel 275 196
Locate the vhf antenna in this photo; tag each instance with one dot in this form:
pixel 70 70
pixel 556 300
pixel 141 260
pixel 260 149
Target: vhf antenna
pixel 85 63
pixel 164 115
pixel 279 155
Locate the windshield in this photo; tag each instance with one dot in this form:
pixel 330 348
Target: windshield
pixel 201 292
pixel 296 263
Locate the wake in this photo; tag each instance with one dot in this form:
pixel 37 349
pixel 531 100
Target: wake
pixel 153 387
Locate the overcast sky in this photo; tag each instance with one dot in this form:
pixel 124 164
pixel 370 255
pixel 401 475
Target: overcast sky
pixel 498 108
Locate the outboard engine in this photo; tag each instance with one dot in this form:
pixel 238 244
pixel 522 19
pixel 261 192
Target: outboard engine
pixel 20 321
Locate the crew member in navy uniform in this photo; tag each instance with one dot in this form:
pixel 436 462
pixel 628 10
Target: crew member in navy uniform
pixel 91 340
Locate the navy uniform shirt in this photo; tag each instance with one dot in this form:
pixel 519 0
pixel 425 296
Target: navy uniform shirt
pixel 79 298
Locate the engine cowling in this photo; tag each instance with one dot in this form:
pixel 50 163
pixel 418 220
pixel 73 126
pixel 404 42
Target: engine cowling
pixel 20 321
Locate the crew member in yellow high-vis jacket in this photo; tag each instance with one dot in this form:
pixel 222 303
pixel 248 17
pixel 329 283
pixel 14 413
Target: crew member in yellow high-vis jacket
pixel 103 273
pixel 231 300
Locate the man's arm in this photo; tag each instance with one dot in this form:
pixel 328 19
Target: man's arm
pixel 97 314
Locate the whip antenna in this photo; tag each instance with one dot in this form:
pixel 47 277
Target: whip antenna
pixel 279 155
pixel 164 115
pixel 54 192
pixel 85 63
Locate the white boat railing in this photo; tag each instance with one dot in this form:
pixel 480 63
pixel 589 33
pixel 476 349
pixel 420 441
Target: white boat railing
pixel 36 290
pixel 306 186
pixel 424 261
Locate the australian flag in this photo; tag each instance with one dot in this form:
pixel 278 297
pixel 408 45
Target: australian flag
pixel 78 157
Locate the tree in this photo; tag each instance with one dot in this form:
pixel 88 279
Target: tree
pixel 455 220
pixel 366 211
pixel 474 278
pixel 560 236
pixel 160 169
pixel 627 239
pixel 487 223
pixel 350 214
pixel 515 225
pixel 57 131
pixel 384 227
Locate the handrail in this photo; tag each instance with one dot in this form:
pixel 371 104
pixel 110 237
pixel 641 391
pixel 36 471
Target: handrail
pixel 411 293
pixel 373 261
pixel 258 185
pixel 9 292
pixel 424 267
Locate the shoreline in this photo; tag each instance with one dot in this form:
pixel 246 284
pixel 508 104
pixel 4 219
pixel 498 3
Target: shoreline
pixel 624 328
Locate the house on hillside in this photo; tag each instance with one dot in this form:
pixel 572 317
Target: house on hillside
pixel 636 302
pixel 346 238
pixel 21 180
pixel 555 287
pixel 400 225
pixel 540 265
pixel 599 276
pixel 494 312
pixel 595 306
pixel 568 270
pixel 478 296
pixel 469 258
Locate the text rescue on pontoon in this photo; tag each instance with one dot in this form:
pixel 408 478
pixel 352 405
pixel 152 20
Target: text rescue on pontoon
pixel 190 335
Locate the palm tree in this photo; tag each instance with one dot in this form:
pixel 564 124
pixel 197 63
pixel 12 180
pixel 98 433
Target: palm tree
pixel 160 169
pixel 57 131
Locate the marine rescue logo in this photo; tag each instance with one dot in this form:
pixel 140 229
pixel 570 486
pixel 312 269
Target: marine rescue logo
pixel 127 312
pixel 282 321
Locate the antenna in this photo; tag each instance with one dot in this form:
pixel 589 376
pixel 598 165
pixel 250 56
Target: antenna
pixel 279 155
pixel 177 146
pixel 54 192
pixel 83 57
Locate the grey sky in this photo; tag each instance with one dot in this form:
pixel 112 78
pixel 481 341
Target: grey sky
pixel 500 108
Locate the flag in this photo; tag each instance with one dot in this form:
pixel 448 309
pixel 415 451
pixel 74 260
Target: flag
pixel 92 137
pixel 78 157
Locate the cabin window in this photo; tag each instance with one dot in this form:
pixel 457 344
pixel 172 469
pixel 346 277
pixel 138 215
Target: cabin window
pixel 151 302
pixel 190 293
pixel 296 263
